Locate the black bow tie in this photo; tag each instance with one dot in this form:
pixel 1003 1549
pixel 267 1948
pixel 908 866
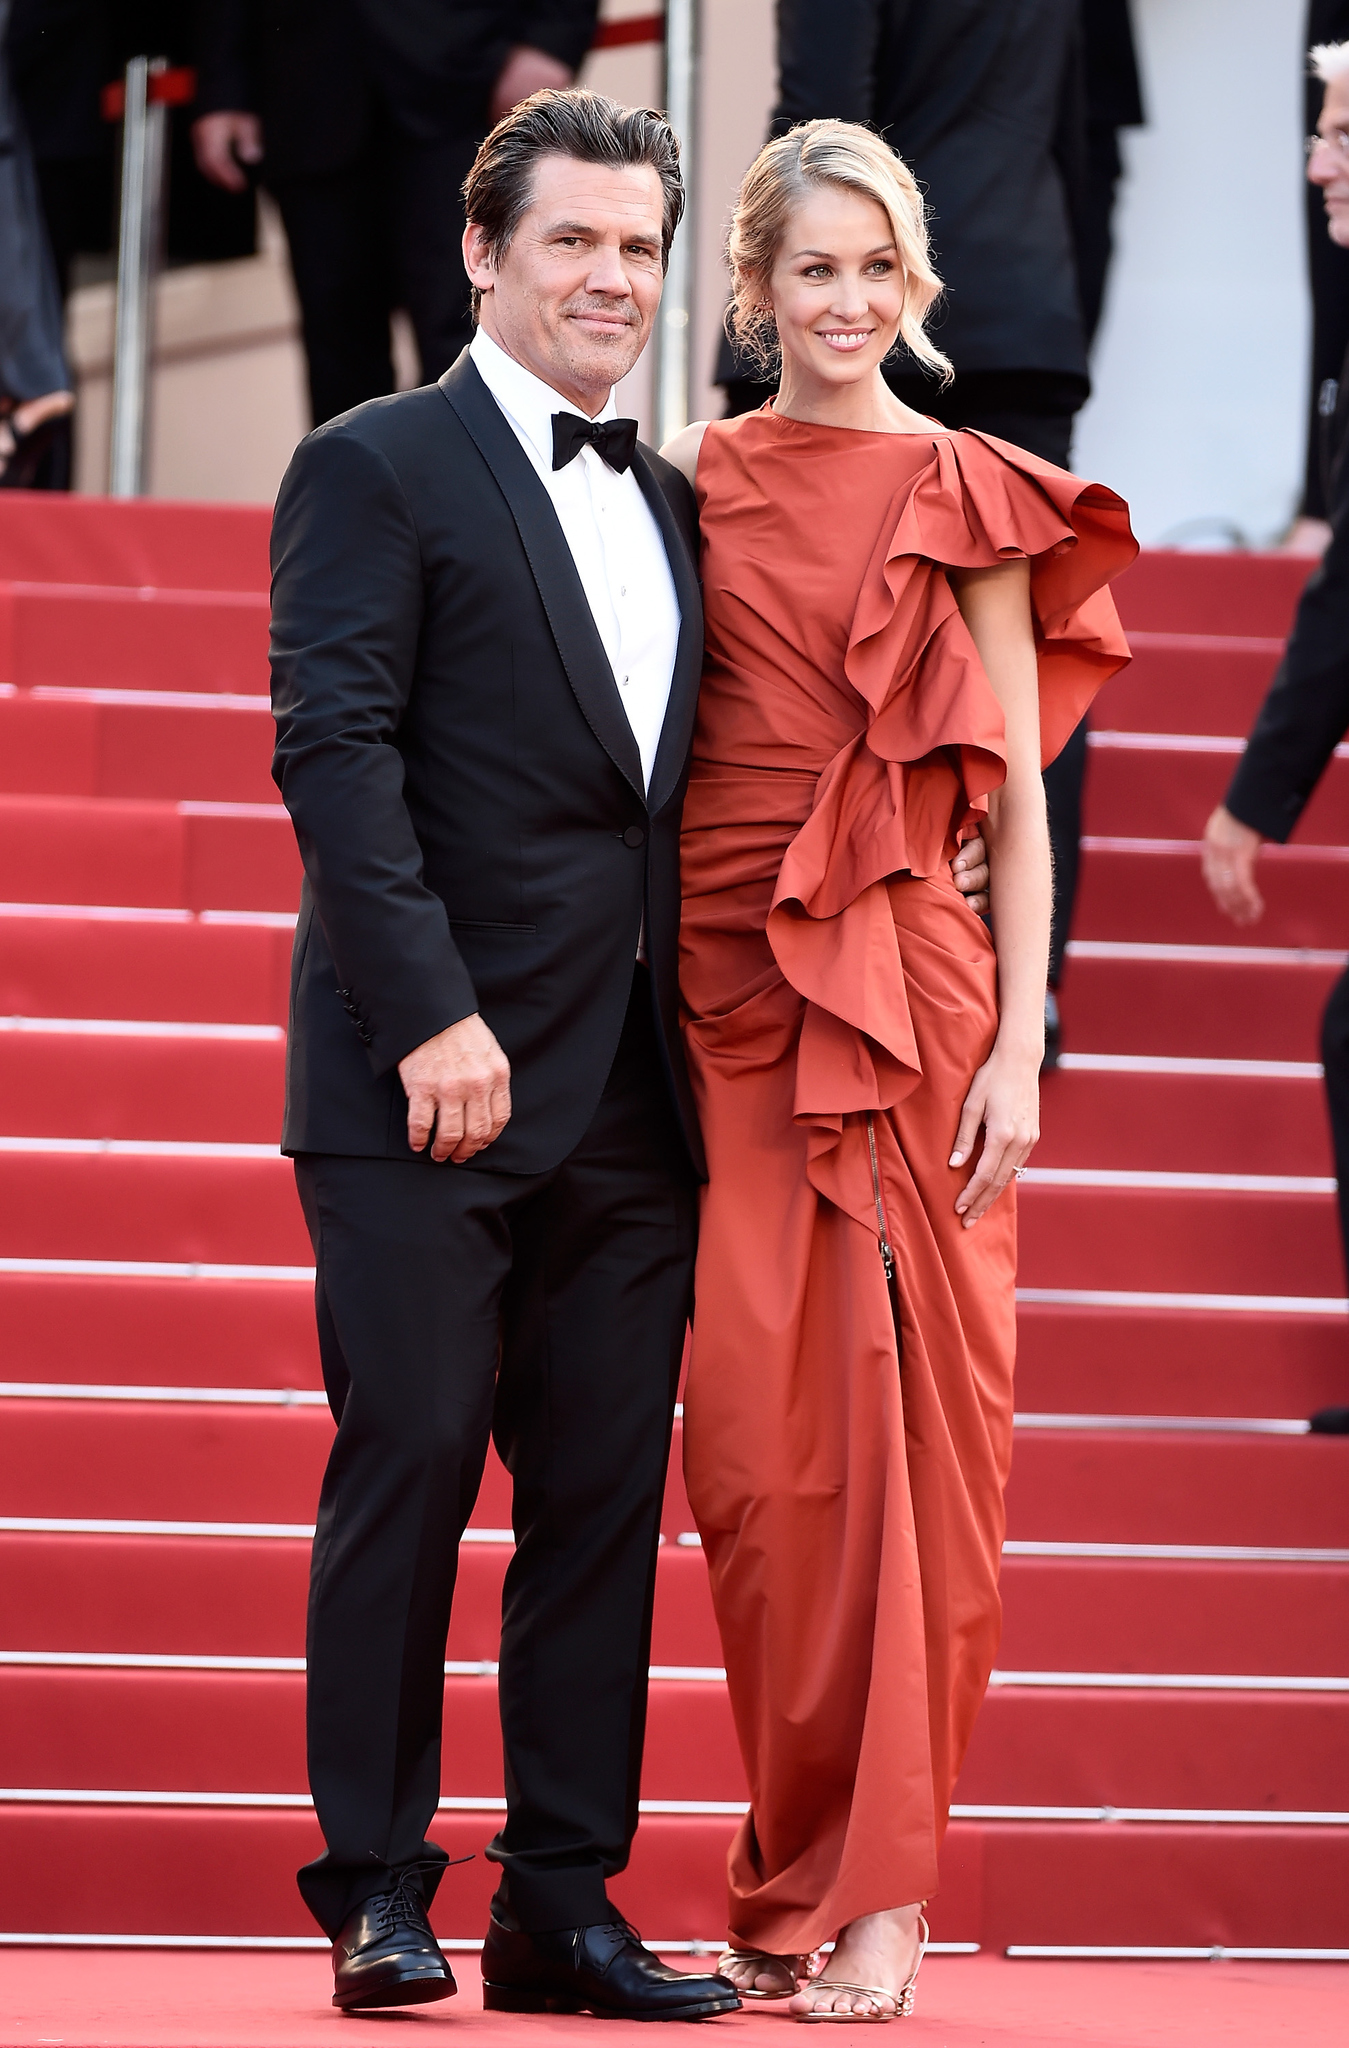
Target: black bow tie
pixel 615 440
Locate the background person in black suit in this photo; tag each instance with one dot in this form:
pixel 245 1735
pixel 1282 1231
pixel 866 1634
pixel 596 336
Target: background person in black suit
pixel 487 640
pixel 362 117
pixel 1306 714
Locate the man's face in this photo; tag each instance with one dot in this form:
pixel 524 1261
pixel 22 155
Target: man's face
pixel 574 296
pixel 1328 166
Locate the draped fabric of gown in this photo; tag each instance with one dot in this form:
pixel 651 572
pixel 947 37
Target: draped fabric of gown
pixel 848 1485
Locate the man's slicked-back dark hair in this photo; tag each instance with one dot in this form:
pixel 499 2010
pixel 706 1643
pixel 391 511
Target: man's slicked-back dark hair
pixel 499 189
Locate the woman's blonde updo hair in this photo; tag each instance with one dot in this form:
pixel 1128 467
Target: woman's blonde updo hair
pixel 812 155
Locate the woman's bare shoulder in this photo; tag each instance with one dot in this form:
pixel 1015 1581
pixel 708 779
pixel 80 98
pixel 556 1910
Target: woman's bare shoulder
pixel 682 448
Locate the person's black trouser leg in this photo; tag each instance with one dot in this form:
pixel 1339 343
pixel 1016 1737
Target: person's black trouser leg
pixel 1063 780
pixel 340 259
pixel 579 1281
pixel 1335 1058
pixel 426 213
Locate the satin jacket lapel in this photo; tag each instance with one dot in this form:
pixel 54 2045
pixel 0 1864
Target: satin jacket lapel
pixel 677 732
pixel 554 571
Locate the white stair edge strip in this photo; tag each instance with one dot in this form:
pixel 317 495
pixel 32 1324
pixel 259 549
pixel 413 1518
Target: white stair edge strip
pixel 455 1945
pixel 1209 1304
pixel 141 1148
pixel 1208 643
pixel 132 1027
pixel 1175 1816
pixel 1119 842
pixel 1115 741
pixel 210 807
pixel 1178 1553
pixel 156 1269
pixel 664 1674
pixel 154 1660
pixel 1157 1063
pixel 169 700
pixel 165 595
pixel 308 1397
pixel 1104 1953
pixel 1186 1553
pixel 1240 1425
pixel 1178 954
pixel 222 1397
pixel 1219 1553
pixel 152 913
pixel 1164 1183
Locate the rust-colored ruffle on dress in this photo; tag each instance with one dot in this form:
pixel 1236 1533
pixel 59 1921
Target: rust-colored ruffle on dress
pixel 849 1490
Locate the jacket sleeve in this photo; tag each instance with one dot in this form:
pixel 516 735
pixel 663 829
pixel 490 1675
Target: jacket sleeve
pixel 225 46
pixel 346 616
pixel 564 28
pixel 1306 713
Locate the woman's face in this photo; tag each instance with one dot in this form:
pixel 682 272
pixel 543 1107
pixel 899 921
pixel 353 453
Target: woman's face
pixel 837 286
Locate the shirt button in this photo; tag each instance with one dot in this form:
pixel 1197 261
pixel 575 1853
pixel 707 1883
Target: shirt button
pixel 622 589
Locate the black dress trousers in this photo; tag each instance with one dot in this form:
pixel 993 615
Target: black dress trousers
pixel 547 1310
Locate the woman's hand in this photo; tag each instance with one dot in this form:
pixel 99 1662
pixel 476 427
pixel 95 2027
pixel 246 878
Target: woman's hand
pixel 1005 1098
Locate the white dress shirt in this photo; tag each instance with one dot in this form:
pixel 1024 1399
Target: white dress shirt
pixel 614 541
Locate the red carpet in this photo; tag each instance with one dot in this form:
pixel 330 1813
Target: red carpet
pixel 1162 1758
pixel 148 2000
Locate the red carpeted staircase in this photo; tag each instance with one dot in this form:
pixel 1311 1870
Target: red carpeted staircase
pixel 1163 1760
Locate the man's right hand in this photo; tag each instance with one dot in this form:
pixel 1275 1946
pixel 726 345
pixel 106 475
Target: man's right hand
pixel 460 1081
pixel 1230 849
pixel 222 143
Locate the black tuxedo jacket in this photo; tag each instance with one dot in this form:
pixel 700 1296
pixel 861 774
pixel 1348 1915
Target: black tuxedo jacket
pixel 1306 714
pixel 465 786
pixel 322 72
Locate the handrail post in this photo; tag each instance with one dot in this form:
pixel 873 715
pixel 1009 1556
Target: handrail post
pixel 674 333
pixel 139 243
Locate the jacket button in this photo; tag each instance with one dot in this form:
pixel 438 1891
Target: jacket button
pixel 634 836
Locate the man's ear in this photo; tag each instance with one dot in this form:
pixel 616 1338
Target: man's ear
pixel 477 262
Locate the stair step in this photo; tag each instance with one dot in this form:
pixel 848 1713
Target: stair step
pixel 1213 1122
pixel 1106 1358
pixel 1172 590
pixel 1209 1240
pixel 192 1871
pixel 216 1597
pixel 119 1205
pixel 1153 889
pixel 90 743
pixel 1188 683
pixel 133 1330
pixel 137 1461
pixel 1156 785
pixel 217 1082
pixel 230 1731
pixel 191 855
pixel 78 960
pixel 1216 1002
pixel 100 636
pixel 142 543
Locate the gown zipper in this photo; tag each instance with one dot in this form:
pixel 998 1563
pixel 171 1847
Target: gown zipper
pixel 887 1249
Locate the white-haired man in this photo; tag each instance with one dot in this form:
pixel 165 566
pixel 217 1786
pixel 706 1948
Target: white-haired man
pixel 1306 713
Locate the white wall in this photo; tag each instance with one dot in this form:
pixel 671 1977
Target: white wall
pixel 1201 363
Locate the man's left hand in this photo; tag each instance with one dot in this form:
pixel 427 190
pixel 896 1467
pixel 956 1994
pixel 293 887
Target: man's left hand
pixel 527 70
pixel 969 872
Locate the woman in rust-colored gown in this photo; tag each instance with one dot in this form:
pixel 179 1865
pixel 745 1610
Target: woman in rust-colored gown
pixel 901 621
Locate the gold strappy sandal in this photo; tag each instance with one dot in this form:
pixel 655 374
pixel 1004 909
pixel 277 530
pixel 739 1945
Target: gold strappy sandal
pixel 796 1967
pixel 903 1998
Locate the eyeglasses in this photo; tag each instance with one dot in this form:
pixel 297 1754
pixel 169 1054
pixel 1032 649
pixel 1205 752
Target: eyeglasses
pixel 1337 143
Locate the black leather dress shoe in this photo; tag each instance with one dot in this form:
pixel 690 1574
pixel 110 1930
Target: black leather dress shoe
pixel 604 1970
pixel 386 1953
pixel 1330 1422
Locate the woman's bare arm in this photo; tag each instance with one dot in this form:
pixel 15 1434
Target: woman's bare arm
pixel 1005 1094
pixel 682 448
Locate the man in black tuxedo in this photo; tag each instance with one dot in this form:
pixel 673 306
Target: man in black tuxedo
pixel 486 645
pixel 1306 713
pixel 362 117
